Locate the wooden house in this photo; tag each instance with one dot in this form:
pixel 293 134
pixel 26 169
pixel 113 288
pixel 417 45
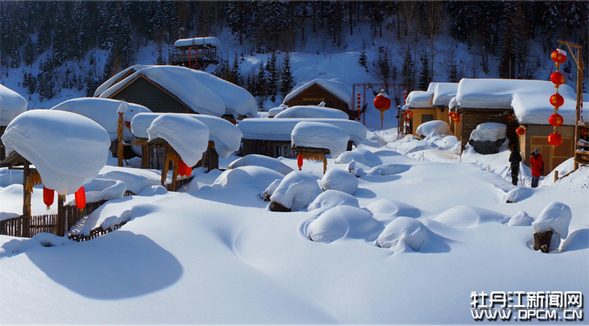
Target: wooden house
pixel 334 92
pixel 431 104
pixel 195 53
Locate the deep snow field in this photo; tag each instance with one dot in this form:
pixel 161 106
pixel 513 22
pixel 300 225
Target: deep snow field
pixel 424 229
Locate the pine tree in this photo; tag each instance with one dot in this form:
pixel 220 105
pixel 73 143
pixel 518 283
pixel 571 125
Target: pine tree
pixel 384 69
pixel 235 75
pixel 425 77
pixel 262 85
pixel 273 77
pixel 363 61
pixel 408 70
pixel 287 79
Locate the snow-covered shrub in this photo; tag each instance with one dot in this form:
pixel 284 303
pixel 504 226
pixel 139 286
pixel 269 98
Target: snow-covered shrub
pixel 556 217
pixel 344 221
pixel 359 155
pixel 403 230
pixel 332 198
pixel 339 180
pixel 296 191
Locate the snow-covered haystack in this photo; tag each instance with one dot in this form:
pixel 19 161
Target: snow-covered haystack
pixel 296 191
pixel 11 105
pixel 339 180
pixel 189 137
pixel 521 218
pixel 332 198
pixel 104 112
pixel 488 137
pixel 104 189
pixel 247 176
pixel 320 135
pixel 555 218
pixel 67 149
pixel 467 216
pixel 261 160
pixel 311 111
pixel 436 127
pixel 344 222
pixel 401 232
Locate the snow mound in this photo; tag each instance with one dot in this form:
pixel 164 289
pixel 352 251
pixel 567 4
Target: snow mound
pixel 261 160
pixel 67 149
pixel 104 112
pixel 467 216
pixel 252 176
pixel 360 155
pixel 403 231
pixel 320 135
pixel 104 189
pixel 188 136
pixel 274 111
pixel 556 217
pixel 11 105
pixel 339 180
pixel 296 191
pixel 51 240
pixel 448 142
pixel 153 191
pixel 136 180
pixel 389 169
pixel 515 195
pixel 265 196
pixel 332 198
pixel 433 127
pixel 489 131
pixel 521 218
pixel 311 111
pixel 343 222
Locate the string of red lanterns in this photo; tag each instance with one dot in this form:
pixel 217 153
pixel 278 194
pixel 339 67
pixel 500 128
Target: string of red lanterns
pixel 559 57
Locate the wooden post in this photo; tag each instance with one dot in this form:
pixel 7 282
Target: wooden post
pixel 174 159
pixel 165 167
pixel 26 209
pixel 120 139
pixel 61 218
pixel 324 163
pixel 555 176
pixel 212 157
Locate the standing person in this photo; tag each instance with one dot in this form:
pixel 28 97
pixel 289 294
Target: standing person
pixel 514 158
pixel 537 165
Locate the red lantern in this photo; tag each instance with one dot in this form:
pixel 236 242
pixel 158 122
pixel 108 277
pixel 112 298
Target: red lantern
pixel 558 56
pixel 409 113
pixel 81 198
pixel 556 100
pixel 450 114
pixel 183 169
pixel 584 132
pixel 557 78
pixel 555 120
pixel 554 139
pixel 456 118
pixel 381 102
pixel 300 161
pixel 520 130
pixel 48 196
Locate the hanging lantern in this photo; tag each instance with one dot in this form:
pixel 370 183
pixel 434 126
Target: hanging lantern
pixel 183 169
pixel 557 78
pixel 556 100
pixel 48 196
pixel 300 161
pixel 559 56
pixel 409 113
pixel 450 114
pixel 584 132
pixel 555 120
pixel 554 139
pixel 382 103
pixel 81 198
pixel 520 130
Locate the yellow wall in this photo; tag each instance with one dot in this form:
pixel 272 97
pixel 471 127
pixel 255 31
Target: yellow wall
pixel 536 136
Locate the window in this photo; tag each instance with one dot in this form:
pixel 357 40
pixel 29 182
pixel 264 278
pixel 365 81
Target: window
pixel 427 117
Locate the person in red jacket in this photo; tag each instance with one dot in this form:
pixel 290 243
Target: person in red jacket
pixel 537 165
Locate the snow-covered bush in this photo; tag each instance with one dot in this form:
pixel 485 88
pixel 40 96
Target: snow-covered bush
pixel 332 198
pixel 339 180
pixel 403 231
pixel 296 191
pixel 556 217
pixel 344 221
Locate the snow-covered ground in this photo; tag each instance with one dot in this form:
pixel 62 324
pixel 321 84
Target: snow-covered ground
pixel 424 229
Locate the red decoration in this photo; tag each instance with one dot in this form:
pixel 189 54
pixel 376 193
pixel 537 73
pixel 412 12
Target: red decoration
pixel 456 118
pixel 381 102
pixel 183 169
pixel 520 130
pixel 48 196
pixel 300 161
pixel 555 120
pixel 81 198
pixel 554 139
pixel 558 56
pixel 557 78
pixel 584 132
pixel 556 100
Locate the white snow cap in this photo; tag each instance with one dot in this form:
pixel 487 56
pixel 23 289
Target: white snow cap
pixel 117 77
pixel 337 87
pixel 311 111
pixel 443 93
pixel 296 191
pixel 556 217
pixel 104 112
pixel 529 99
pixel 261 160
pixel 339 180
pixel 280 129
pixel 11 105
pixel 433 127
pixel 403 230
pixel 489 131
pixel 200 91
pixel 208 40
pixel 141 122
pixel 188 136
pixel 320 135
pixel 419 99
pixel 67 149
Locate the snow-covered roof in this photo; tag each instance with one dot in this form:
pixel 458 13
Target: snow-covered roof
pixel 225 135
pixel 103 111
pixel 280 129
pixel 419 99
pixel 337 87
pixel 11 105
pixel 311 111
pixel 529 99
pixel 443 93
pixel 209 40
pixel 200 91
pixel 67 149
pixel 112 80
pixel 187 136
pixel 320 135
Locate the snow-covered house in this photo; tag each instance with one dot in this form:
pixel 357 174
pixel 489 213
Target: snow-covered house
pixel 431 104
pixel 172 89
pixel 11 105
pixel 272 137
pixel 515 102
pixel 195 53
pixel 336 94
